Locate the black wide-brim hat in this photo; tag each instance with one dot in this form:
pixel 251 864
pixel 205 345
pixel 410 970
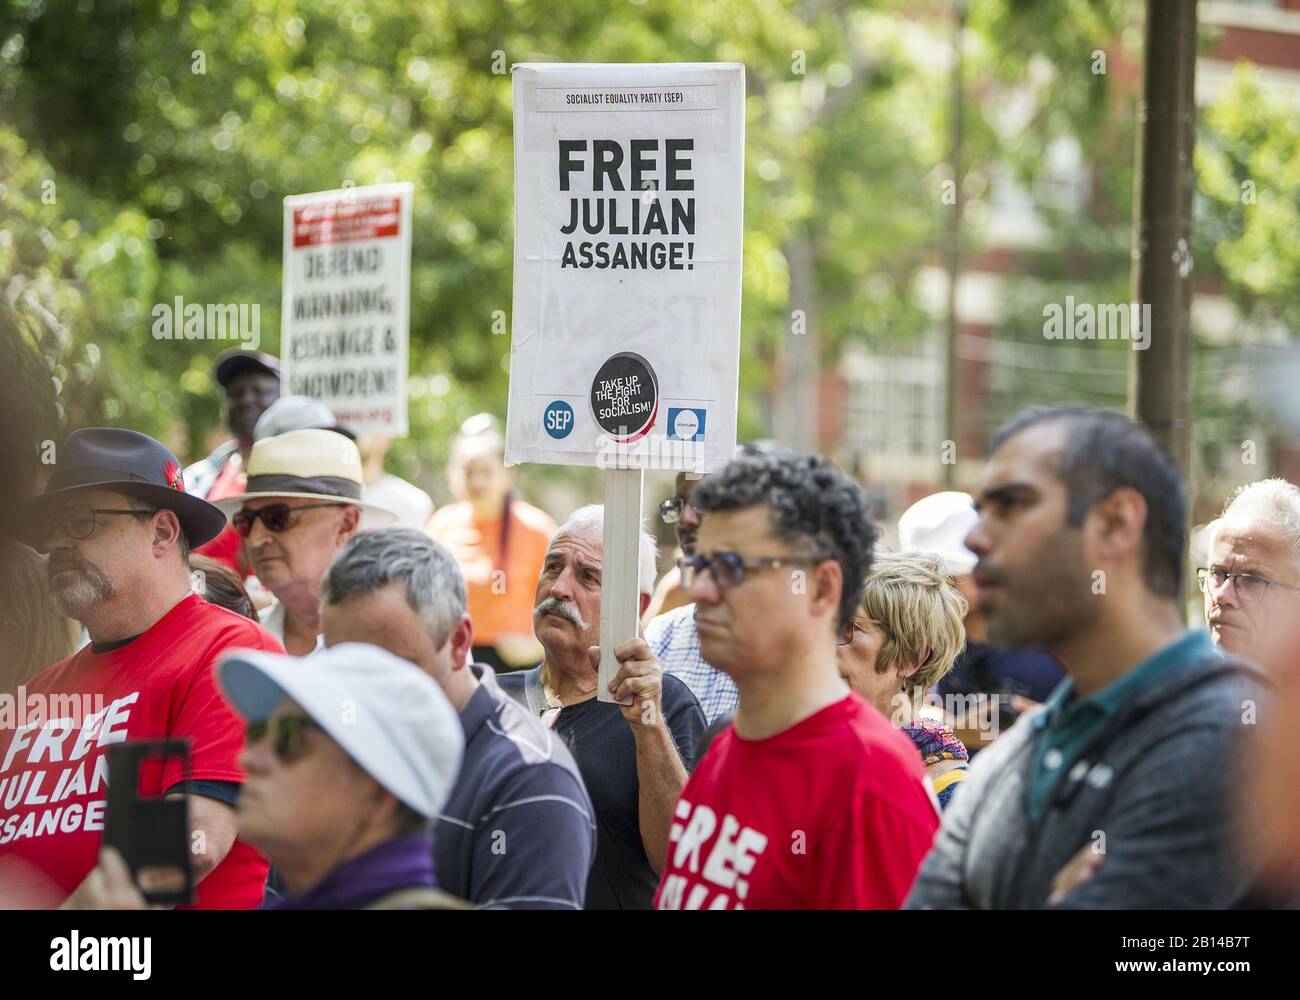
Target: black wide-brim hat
pixel 126 462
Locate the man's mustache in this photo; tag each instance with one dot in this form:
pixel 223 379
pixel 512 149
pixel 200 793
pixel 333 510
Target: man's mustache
pixel 565 609
pixel 63 560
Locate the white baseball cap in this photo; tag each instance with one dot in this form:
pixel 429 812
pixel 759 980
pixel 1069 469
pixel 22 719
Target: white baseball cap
pixel 388 715
pixel 939 524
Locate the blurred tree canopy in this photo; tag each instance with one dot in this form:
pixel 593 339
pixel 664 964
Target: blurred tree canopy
pixel 145 147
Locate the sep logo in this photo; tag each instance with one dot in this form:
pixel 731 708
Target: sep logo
pixel 558 419
pixel 686 423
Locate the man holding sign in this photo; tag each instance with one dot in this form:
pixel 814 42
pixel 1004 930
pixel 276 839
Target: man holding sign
pixel 633 755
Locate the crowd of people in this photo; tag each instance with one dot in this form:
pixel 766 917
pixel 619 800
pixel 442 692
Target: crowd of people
pixel 391 707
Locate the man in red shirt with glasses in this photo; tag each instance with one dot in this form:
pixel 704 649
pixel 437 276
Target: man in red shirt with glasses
pixel 809 799
pixel 117 527
pixel 301 505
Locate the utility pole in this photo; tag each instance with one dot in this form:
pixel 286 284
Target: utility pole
pixel 1160 377
pixel 953 251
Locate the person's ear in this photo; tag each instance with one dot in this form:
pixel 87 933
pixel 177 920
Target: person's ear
pixel 462 640
pixel 643 603
pixel 827 584
pixel 1117 523
pixel 166 532
pixel 351 521
pixel 906 671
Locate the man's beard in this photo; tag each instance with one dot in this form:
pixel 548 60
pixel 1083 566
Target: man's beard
pixel 1050 600
pixel 89 587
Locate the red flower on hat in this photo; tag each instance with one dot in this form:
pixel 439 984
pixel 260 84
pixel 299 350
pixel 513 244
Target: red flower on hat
pixel 172 476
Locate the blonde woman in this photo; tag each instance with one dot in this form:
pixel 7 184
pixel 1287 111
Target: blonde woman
pixel 905 637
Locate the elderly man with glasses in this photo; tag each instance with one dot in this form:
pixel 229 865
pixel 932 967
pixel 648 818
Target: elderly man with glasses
pixel 1252 581
pixel 302 504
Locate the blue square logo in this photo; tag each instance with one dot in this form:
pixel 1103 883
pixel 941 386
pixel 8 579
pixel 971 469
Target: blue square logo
pixel 686 424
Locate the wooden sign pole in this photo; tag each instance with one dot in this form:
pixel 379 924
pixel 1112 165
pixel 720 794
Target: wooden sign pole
pixel 620 590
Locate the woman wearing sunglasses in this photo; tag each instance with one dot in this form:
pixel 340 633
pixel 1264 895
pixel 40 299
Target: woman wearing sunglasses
pixel 905 637
pixel 339 800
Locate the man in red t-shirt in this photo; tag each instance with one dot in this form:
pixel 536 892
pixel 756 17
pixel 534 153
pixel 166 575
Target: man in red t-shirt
pixel 809 798
pixel 118 527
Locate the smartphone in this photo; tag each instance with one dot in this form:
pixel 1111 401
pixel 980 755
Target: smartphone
pixel 152 833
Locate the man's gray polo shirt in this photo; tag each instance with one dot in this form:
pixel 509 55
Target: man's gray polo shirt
pixel 518 831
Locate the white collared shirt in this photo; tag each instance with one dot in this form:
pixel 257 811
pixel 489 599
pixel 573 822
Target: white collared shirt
pixel 272 618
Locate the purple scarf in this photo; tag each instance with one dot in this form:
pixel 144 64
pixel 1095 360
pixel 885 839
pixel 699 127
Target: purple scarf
pixel 935 741
pixel 401 863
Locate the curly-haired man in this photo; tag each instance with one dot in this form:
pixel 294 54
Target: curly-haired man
pixel 810 798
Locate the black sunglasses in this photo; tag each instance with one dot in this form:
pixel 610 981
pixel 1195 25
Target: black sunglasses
pixel 286 735
pixel 277 517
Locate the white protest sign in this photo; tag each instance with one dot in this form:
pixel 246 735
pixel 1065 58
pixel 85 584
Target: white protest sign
pixel 344 326
pixel 629 193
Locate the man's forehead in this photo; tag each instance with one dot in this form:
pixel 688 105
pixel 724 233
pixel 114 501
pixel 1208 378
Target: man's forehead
pixel 730 527
pixel 587 542
pixel 1247 538
pixel 258 380
pixel 1030 456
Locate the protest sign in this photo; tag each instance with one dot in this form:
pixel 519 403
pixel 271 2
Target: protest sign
pixel 625 339
pixel 344 326
pixel 629 189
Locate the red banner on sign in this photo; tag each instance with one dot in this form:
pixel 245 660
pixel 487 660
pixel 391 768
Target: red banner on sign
pixel 345 221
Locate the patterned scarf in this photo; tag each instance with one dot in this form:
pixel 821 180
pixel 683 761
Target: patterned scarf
pixel 935 741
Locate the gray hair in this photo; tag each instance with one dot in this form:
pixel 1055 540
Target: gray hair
pixel 1275 500
pixel 435 587
pixel 593 516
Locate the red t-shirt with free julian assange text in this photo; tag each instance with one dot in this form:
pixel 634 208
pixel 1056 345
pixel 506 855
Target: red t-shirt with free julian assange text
pixel 161 685
pixel 832 813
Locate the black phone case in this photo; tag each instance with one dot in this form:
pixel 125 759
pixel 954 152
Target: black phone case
pixel 148 832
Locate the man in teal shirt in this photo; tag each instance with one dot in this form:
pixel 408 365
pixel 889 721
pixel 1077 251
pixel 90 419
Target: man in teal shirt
pixel 1115 793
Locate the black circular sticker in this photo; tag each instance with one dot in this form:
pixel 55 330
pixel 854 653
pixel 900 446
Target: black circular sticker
pixel 625 397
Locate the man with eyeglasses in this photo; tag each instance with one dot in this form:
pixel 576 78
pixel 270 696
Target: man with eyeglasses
pixel 671 635
pixel 302 504
pixel 1114 794
pixel 1252 581
pixel 809 799
pixel 117 527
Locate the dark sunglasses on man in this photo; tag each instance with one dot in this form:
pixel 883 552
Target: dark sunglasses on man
pixel 277 517
pixel 728 568
pixel 286 734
